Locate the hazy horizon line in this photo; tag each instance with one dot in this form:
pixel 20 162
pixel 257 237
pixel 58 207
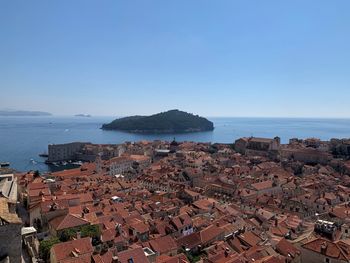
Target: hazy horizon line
pixel 214 116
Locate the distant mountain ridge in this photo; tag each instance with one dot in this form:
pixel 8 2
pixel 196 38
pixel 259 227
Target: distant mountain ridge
pixel 172 121
pixel 23 113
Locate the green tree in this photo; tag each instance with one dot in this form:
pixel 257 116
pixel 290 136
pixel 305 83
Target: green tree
pixel 90 231
pixel 36 174
pixel 45 246
pixel 67 234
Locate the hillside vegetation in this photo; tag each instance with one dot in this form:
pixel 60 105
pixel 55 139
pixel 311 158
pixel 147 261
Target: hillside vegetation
pixel 173 121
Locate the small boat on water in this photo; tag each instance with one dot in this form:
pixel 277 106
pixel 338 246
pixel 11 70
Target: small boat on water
pixel 79 163
pixel 4 164
pixel 33 161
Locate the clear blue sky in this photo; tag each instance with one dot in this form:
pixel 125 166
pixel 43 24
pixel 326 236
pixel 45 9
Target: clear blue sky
pixel 214 58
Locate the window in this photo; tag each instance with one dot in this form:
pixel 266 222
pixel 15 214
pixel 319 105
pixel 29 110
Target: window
pixel 327 260
pixel 346 231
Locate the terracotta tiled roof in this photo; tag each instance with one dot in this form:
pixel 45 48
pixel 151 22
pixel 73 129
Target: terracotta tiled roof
pixel 279 231
pixel 108 235
pixel 33 186
pixel 210 233
pixel 249 238
pixel 181 258
pixel 181 220
pixel 262 185
pixel 338 250
pixel 270 259
pixel 163 245
pixel 80 259
pixel 137 255
pixel 76 210
pixel 72 249
pixel 204 204
pixel 340 212
pixel 140 227
pixel 49 205
pixel 190 241
pixel 38 192
pixel 191 193
pixel 105 258
pixel 67 221
pixel 246 192
pixel 287 249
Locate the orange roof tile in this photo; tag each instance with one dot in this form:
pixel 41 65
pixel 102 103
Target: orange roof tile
pixel 69 249
pixel 67 221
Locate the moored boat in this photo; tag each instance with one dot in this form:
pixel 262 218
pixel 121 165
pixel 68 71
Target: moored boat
pixel 4 164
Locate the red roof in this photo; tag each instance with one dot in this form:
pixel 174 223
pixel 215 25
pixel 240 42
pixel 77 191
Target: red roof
pixel 249 238
pixel 190 241
pixel 108 235
pixel 104 258
pixel 68 221
pixel 210 233
pixel 286 249
pixel 163 245
pixel 47 206
pixel 262 185
pixel 137 255
pixel 72 249
pixel 180 258
pixel 140 227
pixel 338 250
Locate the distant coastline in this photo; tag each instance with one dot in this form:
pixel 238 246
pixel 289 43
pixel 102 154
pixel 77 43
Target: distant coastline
pixel 23 113
pixel 23 138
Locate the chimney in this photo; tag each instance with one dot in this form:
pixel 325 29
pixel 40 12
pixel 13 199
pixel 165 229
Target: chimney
pixel 323 248
pixel 115 259
pixel 118 229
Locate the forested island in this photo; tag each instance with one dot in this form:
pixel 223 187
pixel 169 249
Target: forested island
pixel 173 121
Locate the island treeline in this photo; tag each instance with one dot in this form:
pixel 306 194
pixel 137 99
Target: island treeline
pixel 173 121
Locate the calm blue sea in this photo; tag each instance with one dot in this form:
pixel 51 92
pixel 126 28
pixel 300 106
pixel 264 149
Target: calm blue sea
pixel 23 138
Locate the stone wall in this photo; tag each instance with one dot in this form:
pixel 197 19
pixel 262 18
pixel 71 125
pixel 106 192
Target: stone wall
pixel 308 256
pixel 64 152
pixel 308 155
pixel 10 242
